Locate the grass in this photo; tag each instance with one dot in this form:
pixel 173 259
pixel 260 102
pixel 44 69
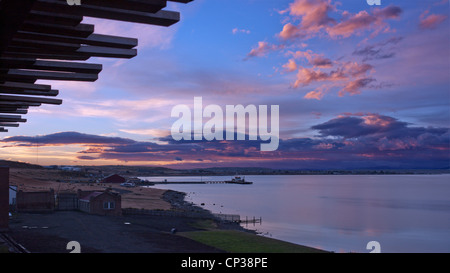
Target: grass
pixel 243 242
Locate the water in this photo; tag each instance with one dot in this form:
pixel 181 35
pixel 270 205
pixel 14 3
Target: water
pixel 341 213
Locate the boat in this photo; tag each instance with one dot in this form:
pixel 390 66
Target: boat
pixel 128 184
pixel 239 180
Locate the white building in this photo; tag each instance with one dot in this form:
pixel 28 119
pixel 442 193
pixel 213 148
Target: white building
pixel 12 195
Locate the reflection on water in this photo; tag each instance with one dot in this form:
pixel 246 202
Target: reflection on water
pixel 405 213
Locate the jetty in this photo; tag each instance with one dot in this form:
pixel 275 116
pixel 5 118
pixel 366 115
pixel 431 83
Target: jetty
pixel 235 180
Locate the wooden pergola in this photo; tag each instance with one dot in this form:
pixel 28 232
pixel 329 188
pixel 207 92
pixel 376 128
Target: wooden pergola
pixel 46 39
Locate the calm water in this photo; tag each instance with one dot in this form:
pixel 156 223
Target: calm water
pixel 404 213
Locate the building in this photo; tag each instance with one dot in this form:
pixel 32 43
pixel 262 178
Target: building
pixel 35 201
pixel 100 203
pixel 12 197
pixel 115 178
pixel 4 206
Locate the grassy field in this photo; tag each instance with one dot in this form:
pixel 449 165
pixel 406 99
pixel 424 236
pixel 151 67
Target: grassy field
pixel 243 242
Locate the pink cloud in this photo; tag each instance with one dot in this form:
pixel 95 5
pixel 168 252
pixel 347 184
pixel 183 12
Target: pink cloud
pixel 263 49
pixel 290 66
pixel 363 21
pixel 315 18
pixel 430 21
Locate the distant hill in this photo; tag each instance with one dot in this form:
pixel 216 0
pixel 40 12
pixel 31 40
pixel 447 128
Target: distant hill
pixel 18 165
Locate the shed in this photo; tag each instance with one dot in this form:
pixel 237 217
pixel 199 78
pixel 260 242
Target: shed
pixel 115 178
pixel 101 203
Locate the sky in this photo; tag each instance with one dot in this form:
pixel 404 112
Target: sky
pixel 357 86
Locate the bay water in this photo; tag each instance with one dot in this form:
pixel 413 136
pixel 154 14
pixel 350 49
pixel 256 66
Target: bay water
pixel 341 213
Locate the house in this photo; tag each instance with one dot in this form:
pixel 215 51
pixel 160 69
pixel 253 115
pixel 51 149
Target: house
pixel 115 178
pixel 101 203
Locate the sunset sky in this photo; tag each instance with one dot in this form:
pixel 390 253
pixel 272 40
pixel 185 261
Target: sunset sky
pixel 358 86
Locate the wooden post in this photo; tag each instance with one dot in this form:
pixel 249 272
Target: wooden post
pixel 4 198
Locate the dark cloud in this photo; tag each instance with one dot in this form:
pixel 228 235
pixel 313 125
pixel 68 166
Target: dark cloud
pixel 67 138
pixel 348 141
pixel 379 51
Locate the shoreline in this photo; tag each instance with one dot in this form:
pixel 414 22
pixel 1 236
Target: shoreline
pixel 140 198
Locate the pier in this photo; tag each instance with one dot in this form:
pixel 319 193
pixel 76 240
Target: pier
pixel 165 182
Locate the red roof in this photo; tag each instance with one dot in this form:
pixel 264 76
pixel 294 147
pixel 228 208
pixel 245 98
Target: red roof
pixel 90 195
pixel 115 178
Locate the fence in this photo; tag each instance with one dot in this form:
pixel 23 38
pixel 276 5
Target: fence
pixel 189 214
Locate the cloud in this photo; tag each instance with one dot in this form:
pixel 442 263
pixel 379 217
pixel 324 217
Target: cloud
pixel 64 138
pixel 351 140
pixel 431 21
pixel 378 51
pixel 315 19
pixel 263 49
pixel 237 31
pixel 307 19
pixel 350 77
pixel 354 87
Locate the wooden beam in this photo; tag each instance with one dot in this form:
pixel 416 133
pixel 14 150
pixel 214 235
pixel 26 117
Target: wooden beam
pixel 18 53
pixel 93 39
pixel 54 18
pixel 3 130
pixel 52 93
pixel 30 99
pixel 43 46
pixel 47 75
pixel 3 124
pixel 87 51
pixel 181 1
pixel 30 63
pixel 80 30
pixel 21 86
pixel 99 51
pixel 11 118
pixel 18 103
pixel 161 18
pixel 135 5
pixel 17 111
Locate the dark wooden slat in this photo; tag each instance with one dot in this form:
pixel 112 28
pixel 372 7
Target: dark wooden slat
pixel 30 99
pixel 3 124
pixel 48 75
pixel 18 53
pixel 51 93
pixel 21 86
pixel 12 120
pixel 18 111
pixel 80 30
pixel 87 51
pixel 181 1
pixel 18 103
pixel 99 51
pixel 136 5
pixel 54 18
pixel 161 18
pixel 3 130
pixel 30 63
pixel 93 39
pixel 43 46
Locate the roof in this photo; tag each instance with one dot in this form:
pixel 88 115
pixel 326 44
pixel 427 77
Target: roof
pixel 91 195
pixel 46 40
